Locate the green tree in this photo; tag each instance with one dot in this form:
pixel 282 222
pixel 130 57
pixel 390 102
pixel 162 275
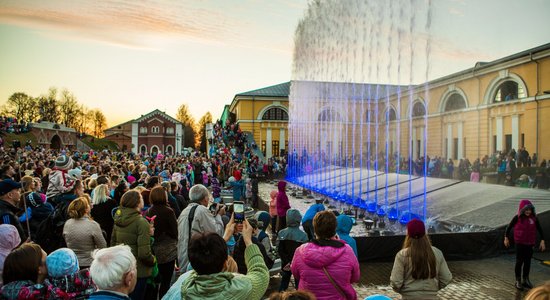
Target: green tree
pixel 184 116
pixel 201 137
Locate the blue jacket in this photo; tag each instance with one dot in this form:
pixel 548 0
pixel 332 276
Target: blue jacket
pixel 237 189
pixel 107 295
pixel 343 229
pixel 312 211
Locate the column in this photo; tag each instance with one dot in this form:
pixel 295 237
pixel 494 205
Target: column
pixel 268 145
pixel 460 141
pixel 515 132
pixel 421 141
pixel 281 139
pixel 179 138
pixel 499 134
pixel 449 141
pixel 135 137
pixel 414 142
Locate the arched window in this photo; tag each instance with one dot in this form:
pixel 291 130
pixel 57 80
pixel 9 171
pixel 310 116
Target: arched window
pixel 143 149
pixel 509 90
pixel 455 102
pixel 329 115
pixel 418 110
pixel 154 150
pixel 169 149
pixel 370 117
pixel 170 130
pixel 155 129
pixel 275 114
pixel 390 115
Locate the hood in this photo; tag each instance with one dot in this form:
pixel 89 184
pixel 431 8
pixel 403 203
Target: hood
pixel 221 285
pixel 318 257
pixel 344 224
pixel 525 204
pixel 281 186
pixel 263 217
pixel 10 238
pixel 125 216
pixel 293 218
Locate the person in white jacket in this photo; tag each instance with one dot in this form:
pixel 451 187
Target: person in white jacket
pixel 203 221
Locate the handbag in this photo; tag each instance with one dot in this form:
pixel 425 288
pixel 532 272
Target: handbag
pixel 334 284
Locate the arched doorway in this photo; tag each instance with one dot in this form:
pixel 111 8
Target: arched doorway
pixel 55 143
pixel 154 150
pixel 143 149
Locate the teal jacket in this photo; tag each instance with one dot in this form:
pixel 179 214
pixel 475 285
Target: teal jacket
pixel 230 286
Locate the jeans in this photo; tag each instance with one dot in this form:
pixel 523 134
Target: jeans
pixel 285 280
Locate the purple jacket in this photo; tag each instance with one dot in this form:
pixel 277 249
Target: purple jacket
pixel 525 231
pixel 341 263
pixel 282 200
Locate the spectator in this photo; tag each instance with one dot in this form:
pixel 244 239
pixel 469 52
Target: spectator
pixel 102 210
pixel 290 239
pixel 180 199
pixel 208 255
pixel 82 234
pixel 65 279
pixel 121 279
pixel 60 182
pixel 343 229
pixel 166 236
pixel 293 295
pixel 9 239
pixel 7 172
pixel 10 194
pixel 282 205
pixel 172 201
pixel 24 273
pixel 240 248
pixel 37 207
pixel 326 266
pixel 419 270
pixel 133 230
pixel 541 292
pixel 307 221
pixel 273 211
pixel 197 218
pixel 263 237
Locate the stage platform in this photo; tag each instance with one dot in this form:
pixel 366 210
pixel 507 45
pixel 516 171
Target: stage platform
pixel 466 219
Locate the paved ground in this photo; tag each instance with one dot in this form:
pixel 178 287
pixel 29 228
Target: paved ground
pixel 491 278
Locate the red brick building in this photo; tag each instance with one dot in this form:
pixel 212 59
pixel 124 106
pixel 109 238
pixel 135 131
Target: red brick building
pixel 150 133
pixel 53 136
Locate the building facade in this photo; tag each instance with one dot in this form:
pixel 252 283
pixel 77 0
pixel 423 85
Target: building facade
pixel 264 113
pixel 155 132
pixel 54 136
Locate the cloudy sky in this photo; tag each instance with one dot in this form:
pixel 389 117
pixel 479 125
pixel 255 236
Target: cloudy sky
pixel 131 57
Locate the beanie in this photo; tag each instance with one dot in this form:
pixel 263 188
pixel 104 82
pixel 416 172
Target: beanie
pixel 62 262
pixel 416 229
pixel 64 162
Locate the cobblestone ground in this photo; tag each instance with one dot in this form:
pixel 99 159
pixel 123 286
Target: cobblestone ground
pixel 490 278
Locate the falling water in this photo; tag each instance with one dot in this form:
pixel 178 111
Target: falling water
pixel 355 66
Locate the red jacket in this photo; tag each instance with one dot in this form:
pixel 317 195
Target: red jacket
pixel 525 230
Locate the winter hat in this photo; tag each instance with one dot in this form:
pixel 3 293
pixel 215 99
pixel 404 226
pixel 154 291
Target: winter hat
pixel 75 173
pixel 131 179
pixel 416 229
pixel 62 262
pixel 64 162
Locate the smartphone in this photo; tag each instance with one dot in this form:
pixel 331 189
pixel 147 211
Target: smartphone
pixel 238 210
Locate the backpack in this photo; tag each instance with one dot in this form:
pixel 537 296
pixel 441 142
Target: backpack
pixel 49 234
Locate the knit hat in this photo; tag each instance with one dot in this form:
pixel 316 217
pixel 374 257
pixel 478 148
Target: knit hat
pixel 416 229
pixel 75 173
pixel 62 262
pixel 64 162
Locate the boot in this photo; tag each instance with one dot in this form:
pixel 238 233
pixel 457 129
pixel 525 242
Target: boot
pixel 527 283
pixel 518 284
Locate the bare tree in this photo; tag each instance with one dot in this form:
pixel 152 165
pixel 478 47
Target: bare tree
pixel 99 122
pixel 201 137
pixel 184 116
pixel 68 109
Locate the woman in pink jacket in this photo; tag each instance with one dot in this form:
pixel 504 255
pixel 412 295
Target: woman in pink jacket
pixel 273 211
pixel 282 205
pixel 326 266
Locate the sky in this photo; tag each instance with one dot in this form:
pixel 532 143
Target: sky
pixel 128 57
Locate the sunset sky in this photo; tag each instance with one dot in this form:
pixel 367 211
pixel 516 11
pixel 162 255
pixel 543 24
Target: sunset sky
pixel 130 57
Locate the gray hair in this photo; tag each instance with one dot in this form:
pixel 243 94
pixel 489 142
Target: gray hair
pixel 110 265
pixel 198 192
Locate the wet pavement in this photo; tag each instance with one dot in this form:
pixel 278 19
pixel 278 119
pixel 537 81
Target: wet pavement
pixel 491 278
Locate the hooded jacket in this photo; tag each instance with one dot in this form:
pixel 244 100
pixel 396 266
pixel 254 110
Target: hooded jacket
pixel 8 216
pixel 75 286
pixel 343 229
pixel 291 237
pixel 525 228
pixel 225 285
pixel 133 230
pixel 10 239
pixel 24 289
pixel 282 200
pixel 340 263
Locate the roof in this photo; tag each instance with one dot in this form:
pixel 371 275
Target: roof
pixel 53 126
pixel 351 91
pixel 156 112
pixel 121 124
pixel 278 90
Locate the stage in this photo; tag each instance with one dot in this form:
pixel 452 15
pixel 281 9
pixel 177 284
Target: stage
pixel 466 220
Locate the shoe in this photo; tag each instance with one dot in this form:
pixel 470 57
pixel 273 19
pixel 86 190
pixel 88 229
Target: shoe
pixel 527 283
pixel 519 286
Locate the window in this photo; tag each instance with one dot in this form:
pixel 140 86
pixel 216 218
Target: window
pixel 275 147
pixel 455 148
pixel 390 115
pixel 143 149
pixel 263 147
pixel 509 90
pixel 369 116
pixel 418 110
pixel 494 144
pixel 170 130
pixel 155 129
pixel 329 115
pixel 169 149
pixel 508 138
pixel 455 102
pixel 275 113
pixel 143 130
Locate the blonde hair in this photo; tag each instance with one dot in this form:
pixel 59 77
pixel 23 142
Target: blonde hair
pixel 139 188
pixel 92 183
pixel 541 292
pixel 100 194
pixel 77 208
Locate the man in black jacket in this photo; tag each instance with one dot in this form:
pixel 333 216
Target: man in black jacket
pixel 10 193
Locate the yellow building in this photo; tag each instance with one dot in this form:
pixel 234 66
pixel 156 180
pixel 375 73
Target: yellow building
pixel 493 106
pixel 264 113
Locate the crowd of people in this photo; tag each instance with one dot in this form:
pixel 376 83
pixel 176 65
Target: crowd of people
pixel 12 125
pixel 104 225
